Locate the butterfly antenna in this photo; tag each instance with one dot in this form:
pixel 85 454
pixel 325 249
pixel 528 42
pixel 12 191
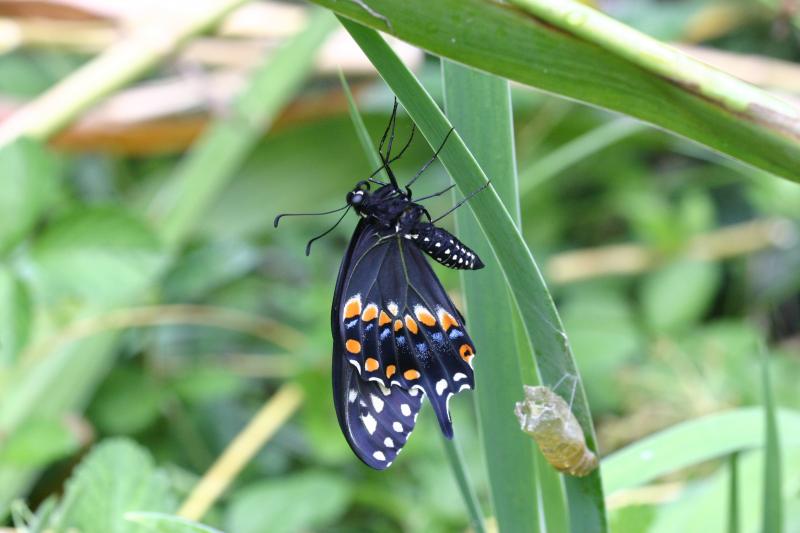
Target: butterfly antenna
pixel 279 217
pixel 388 126
pixel 308 246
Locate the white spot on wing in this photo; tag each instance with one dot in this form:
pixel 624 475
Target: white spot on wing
pixel 441 385
pixel 377 403
pixel 355 364
pixel 405 409
pixel 389 443
pixel 379 456
pixel 352 395
pixel 459 376
pixel 392 308
pixel 398 427
pixel 370 423
pixel 384 389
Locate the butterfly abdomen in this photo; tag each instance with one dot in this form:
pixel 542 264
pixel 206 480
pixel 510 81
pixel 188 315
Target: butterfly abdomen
pixel 444 248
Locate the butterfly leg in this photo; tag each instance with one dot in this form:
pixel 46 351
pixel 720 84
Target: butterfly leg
pixel 462 202
pixel 434 195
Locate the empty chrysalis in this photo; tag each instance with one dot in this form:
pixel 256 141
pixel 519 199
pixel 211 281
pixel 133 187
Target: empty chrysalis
pixel 546 417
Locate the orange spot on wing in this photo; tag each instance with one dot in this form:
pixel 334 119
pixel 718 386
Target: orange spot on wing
pixel 371 364
pixel 353 346
pixel 370 313
pixel 424 316
pixel 398 325
pixel 384 319
pixel 411 374
pixel 447 320
pixel 353 307
pixel 411 325
pixel 466 352
pixel 390 370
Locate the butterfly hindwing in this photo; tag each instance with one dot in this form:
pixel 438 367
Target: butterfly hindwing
pixel 397 338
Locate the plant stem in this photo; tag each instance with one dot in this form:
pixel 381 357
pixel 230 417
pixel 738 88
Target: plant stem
pixel 663 60
pixel 241 450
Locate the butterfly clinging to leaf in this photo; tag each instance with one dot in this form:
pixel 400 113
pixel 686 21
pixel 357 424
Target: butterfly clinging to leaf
pixel 397 337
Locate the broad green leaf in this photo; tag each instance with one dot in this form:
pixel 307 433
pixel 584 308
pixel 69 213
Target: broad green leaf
pixel 117 477
pixel 15 316
pixel 503 40
pixel 28 187
pixel 540 318
pixel 39 441
pixel 688 444
pixel 296 503
pixel 99 255
pixel 166 523
pixel 678 294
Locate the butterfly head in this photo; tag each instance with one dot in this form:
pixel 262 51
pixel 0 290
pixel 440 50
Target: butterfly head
pixel 357 198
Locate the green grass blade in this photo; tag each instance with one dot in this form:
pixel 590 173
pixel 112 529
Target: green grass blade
pixel 733 493
pixel 488 131
pixel 773 497
pixel 503 40
pixel 452 452
pixel 687 444
pixel 523 278
pixel 566 155
pixel 224 146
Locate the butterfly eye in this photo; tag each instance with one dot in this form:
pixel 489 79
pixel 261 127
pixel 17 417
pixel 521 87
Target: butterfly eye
pixel 355 198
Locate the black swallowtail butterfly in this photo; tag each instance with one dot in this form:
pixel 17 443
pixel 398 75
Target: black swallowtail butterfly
pixel 397 337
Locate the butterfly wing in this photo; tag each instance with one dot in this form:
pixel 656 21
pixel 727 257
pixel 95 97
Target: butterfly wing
pixel 397 338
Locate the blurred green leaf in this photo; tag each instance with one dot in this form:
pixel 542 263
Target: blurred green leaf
pixel 118 476
pixel 678 294
pixel 15 316
pixel 128 401
pixel 296 503
pixel 98 255
pixel 604 336
pixel 688 443
pixel 701 507
pixel 632 518
pixel 39 441
pixel 27 188
pixel 200 384
pixel 166 523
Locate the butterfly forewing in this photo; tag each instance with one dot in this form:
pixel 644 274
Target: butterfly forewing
pixel 397 338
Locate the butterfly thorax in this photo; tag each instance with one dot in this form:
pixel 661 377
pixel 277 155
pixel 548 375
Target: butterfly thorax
pixel 394 211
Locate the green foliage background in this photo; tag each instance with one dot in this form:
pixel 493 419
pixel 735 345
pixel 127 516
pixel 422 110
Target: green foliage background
pixel 106 425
